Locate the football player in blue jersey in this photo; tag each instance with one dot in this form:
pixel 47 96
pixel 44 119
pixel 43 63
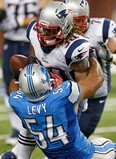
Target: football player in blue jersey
pixel 101 31
pixel 50 115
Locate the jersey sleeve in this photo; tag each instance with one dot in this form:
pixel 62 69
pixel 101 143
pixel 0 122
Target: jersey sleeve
pixel 16 100
pixel 77 51
pixel 29 28
pixel 109 29
pixel 72 90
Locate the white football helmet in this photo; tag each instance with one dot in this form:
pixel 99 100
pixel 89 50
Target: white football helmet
pixel 34 81
pixel 54 24
pixel 80 12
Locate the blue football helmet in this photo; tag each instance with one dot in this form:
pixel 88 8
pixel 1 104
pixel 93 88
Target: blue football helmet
pixel 34 81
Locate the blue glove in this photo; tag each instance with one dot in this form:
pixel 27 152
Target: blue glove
pixel 8 155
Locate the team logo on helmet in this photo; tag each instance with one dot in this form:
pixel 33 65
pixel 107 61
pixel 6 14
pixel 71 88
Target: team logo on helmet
pixel 83 3
pixel 63 14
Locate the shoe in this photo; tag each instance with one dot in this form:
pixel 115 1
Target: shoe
pixel 13 139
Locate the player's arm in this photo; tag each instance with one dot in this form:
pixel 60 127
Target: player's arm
pixel 107 50
pixel 112 47
pixel 13 86
pixel 92 82
pixel 80 69
pixel 112 44
pixel 108 53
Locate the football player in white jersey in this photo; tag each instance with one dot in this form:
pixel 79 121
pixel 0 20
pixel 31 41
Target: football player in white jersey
pixel 102 31
pixel 18 15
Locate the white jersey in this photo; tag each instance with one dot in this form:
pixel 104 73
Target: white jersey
pixel 20 9
pixel 59 59
pixel 101 29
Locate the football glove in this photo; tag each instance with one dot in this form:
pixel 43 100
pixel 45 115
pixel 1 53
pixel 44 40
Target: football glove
pixel 104 52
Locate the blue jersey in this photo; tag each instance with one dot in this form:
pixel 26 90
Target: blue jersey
pixel 53 122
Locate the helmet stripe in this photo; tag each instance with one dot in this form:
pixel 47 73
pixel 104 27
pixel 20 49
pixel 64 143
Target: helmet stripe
pixel 30 81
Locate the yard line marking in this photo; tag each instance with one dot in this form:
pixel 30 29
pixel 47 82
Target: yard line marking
pixel 4 117
pixel 4 137
pixel 110 104
pixel 105 130
pixel 3 109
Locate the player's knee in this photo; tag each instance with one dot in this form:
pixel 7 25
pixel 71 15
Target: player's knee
pixel 8 155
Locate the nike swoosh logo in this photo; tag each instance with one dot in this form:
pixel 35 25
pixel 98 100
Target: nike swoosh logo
pixel 79 50
pixel 101 101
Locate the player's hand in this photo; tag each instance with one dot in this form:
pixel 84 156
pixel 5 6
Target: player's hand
pixel 104 52
pixel 57 80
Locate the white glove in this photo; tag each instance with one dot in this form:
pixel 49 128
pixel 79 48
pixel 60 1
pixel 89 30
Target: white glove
pixel 104 52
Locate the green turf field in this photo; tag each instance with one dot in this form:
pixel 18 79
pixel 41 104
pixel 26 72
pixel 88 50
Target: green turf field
pixel 106 127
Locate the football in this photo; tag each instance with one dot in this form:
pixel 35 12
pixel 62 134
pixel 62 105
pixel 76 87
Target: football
pixel 17 62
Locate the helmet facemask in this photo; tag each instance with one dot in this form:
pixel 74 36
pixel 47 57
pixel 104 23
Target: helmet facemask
pixel 54 24
pixel 81 22
pixel 80 13
pixel 49 35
